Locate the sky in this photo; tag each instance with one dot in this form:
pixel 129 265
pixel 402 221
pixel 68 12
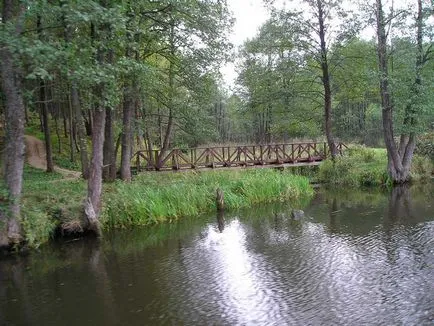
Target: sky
pixel 249 15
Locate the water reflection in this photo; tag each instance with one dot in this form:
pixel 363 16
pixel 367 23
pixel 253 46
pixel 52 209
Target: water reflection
pixel 365 258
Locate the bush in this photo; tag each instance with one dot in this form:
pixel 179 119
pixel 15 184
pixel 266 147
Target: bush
pixel 37 226
pixel 421 168
pixel 364 154
pixel 360 166
pixel 425 145
pixel 338 172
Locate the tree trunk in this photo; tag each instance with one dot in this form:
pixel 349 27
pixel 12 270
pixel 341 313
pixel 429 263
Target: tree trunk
pixel 94 185
pixel 127 133
pixel 44 111
pixel 65 120
pixel 46 127
pixel 13 157
pixel 76 113
pixel 399 158
pixel 109 169
pixel 81 131
pixel 394 162
pixel 71 131
pixel 59 143
pixel 169 127
pixel 326 82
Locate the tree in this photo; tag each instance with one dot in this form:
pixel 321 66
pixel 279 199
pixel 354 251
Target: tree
pixel 11 26
pixel 356 92
pixel 399 156
pixel 102 31
pixel 315 30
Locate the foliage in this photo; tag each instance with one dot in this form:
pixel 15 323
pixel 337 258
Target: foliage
pixel 44 196
pixel 422 168
pixel 38 226
pixel 360 166
pixel 151 200
pixel 425 145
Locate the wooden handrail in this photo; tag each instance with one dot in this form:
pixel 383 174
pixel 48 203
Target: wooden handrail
pixel 234 156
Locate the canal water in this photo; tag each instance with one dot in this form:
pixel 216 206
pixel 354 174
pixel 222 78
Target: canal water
pixel 354 258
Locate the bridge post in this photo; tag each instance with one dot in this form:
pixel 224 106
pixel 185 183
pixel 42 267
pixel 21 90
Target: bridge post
pixel 156 159
pixel 138 162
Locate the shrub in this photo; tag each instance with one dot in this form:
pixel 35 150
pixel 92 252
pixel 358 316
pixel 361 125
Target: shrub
pixel 360 166
pixel 425 145
pixel 38 226
pixel 362 153
pixel 421 168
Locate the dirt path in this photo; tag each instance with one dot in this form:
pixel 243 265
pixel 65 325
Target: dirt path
pixel 36 157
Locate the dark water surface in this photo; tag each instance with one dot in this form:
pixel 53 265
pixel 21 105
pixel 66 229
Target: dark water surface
pixel 356 258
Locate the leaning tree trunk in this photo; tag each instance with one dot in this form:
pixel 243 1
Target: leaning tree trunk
pixel 94 184
pixel 326 83
pixel 13 156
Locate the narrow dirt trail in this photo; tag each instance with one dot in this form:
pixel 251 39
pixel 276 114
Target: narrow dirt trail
pixel 36 157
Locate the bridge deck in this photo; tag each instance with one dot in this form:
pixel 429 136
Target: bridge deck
pixel 225 157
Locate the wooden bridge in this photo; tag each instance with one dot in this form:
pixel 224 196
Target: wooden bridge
pixel 276 155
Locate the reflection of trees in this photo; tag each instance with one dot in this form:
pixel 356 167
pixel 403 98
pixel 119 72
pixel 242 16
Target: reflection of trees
pixel 400 204
pixel 14 293
pixel 333 210
pixel 97 264
pixel 402 210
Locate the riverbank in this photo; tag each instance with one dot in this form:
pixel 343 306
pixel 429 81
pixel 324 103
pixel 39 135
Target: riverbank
pixel 53 204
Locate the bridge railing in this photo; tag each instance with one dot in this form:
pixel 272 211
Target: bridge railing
pixel 232 156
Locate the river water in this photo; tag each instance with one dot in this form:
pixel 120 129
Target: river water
pixel 355 258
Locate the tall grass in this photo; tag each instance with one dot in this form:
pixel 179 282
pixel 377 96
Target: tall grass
pixel 360 166
pixel 155 198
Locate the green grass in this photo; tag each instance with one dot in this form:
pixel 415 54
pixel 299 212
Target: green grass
pixel 51 202
pixel 156 198
pixel 48 201
pixel 360 166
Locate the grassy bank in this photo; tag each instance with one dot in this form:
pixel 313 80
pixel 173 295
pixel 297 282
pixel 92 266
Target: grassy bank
pixel 51 202
pixel 159 198
pixel 362 166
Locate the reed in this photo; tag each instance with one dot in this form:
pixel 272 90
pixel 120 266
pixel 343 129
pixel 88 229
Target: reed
pixel 156 198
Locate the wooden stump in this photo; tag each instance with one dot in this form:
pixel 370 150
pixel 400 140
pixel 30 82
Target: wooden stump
pixel 220 201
